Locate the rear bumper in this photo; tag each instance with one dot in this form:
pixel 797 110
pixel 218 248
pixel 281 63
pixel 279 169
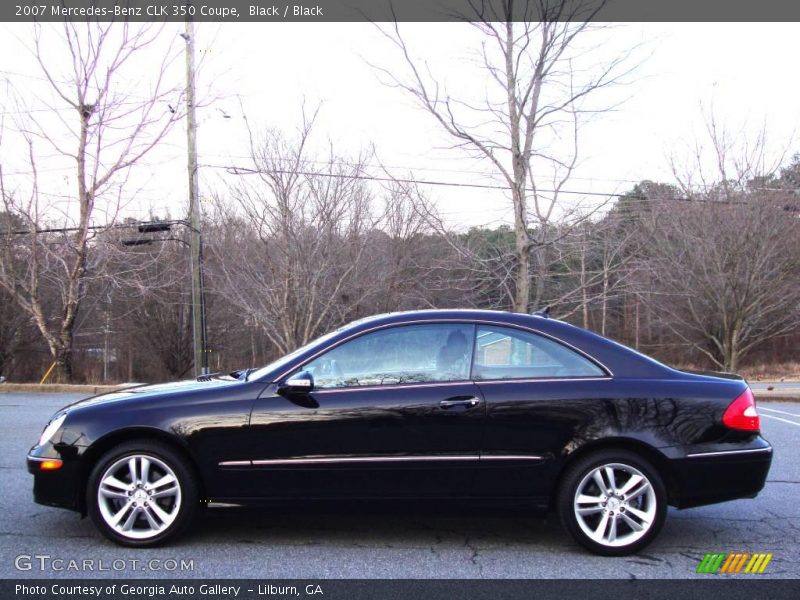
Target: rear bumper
pixel 711 475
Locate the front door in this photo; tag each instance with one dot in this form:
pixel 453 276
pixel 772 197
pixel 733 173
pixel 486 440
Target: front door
pixel 393 413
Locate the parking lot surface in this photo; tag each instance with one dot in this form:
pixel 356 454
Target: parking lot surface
pixel 365 542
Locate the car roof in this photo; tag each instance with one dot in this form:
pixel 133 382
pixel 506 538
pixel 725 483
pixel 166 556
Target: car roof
pixel 439 313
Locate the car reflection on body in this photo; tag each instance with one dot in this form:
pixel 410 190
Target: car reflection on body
pixel 440 404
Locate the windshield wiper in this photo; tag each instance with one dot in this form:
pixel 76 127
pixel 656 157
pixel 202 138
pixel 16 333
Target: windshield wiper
pixel 207 376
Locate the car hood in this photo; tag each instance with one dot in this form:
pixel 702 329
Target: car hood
pixel 161 390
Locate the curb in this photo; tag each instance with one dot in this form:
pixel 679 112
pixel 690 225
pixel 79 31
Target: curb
pixel 60 388
pixel 777 398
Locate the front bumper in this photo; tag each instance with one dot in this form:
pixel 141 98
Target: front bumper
pixel 710 475
pixel 57 487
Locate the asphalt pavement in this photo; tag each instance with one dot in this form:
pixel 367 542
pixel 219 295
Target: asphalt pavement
pixel 290 543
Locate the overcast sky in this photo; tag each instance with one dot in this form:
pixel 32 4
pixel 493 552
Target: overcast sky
pixel 746 70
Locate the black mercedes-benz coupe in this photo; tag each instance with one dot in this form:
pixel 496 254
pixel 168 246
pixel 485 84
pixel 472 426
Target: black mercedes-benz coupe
pixel 440 404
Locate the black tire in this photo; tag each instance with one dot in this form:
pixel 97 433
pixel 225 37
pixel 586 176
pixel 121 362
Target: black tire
pixel 180 506
pixel 580 474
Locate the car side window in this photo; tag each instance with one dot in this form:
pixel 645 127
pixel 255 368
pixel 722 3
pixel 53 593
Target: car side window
pixel 505 353
pixel 399 355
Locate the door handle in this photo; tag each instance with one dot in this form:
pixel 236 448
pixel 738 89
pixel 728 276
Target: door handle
pixel 467 401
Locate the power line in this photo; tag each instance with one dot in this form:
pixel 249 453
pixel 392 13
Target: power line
pixel 106 227
pixel 408 168
pixel 234 170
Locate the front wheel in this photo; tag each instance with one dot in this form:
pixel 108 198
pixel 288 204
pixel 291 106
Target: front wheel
pixel 612 502
pixel 142 493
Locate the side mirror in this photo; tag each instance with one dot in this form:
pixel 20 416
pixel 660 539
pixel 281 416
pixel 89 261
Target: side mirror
pixel 299 383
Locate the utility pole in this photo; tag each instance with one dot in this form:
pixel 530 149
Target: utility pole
pixel 105 345
pixel 198 330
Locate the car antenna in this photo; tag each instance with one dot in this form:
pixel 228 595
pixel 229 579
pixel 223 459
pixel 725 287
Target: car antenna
pixel 543 312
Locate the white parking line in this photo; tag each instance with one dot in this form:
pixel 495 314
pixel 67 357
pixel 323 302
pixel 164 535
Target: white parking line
pixel 775 410
pixel 780 419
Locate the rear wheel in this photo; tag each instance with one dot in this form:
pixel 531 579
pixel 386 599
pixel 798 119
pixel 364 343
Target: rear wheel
pixel 142 493
pixel 612 502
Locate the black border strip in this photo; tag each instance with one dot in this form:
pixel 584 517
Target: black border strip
pixel 745 587
pixel 277 11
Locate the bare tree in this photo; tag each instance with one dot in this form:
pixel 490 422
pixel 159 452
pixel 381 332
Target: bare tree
pixel 591 270
pixel 294 238
pixel 14 324
pixel 401 251
pixel 725 276
pixel 723 265
pixel 147 287
pixel 112 121
pixel 537 96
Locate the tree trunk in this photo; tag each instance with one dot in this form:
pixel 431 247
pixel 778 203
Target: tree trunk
pixel 605 302
pixel 584 293
pixel 731 358
pixel 522 295
pixel 63 371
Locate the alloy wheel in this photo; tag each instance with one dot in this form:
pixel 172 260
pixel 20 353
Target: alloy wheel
pixel 139 496
pixel 615 504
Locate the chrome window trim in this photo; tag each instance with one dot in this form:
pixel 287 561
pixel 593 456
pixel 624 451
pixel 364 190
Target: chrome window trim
pixel 725 452
pixel 376 459
pixel 449 320
pixel 359 388
pixel 541 379
pixel 460 382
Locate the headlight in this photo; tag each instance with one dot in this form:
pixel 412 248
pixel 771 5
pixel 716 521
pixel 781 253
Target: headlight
pixel 51 429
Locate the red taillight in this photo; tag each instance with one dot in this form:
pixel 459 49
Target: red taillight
pixel 742 414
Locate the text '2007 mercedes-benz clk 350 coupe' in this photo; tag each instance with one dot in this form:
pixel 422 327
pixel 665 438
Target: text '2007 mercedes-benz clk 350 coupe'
pixel 440 404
